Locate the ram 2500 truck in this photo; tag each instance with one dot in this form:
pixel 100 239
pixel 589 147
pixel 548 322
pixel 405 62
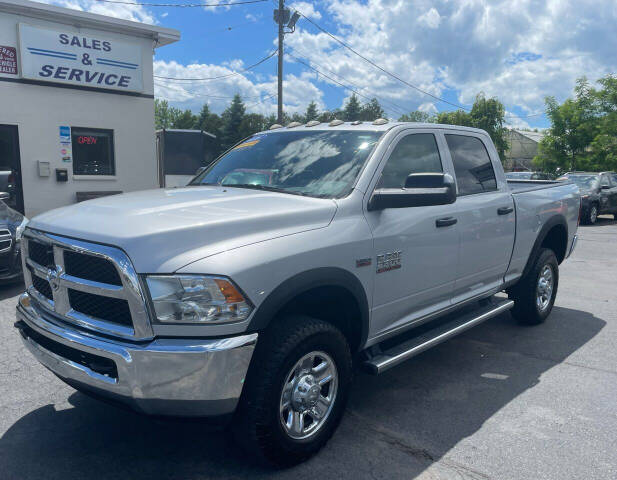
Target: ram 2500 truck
pixel 299 252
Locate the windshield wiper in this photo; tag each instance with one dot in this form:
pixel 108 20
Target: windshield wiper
pixel 267 188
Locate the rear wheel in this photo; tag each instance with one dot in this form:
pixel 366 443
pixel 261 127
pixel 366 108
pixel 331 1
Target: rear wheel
pixel 534 294
pixel 296 391
pixel 592 214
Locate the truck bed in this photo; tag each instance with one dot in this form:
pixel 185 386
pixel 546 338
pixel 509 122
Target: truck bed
pixel 521 186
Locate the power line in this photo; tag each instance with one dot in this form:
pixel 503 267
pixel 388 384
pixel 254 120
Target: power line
pixel 379 67
pixel 396 76
pixel 183 5
pixel 392 104
pixel 250 67
pixel 206 94
pixel 347 87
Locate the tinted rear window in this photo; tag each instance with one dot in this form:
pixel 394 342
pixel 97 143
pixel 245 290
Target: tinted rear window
pixel 472 165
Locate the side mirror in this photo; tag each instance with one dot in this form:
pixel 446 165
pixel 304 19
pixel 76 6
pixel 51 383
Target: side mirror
pixel 5 195
pixel 421 190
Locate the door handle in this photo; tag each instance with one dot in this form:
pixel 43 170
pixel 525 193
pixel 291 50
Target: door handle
pixel 505 210
pixel 445 222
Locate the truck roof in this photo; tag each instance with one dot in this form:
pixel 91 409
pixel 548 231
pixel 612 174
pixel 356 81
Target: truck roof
pixel 368 126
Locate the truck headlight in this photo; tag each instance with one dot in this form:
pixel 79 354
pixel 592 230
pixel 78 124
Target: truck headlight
pixel 196 299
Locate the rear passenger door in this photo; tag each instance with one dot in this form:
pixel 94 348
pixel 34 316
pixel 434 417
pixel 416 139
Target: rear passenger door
pixel 486 217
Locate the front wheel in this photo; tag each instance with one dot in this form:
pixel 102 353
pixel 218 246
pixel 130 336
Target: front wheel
pixel 296 391
pixel 534 294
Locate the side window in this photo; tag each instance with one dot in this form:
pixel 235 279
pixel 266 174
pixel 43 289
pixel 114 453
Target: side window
pixel 604 182
pixel 472 165
pixel 415 153
pixel 614 179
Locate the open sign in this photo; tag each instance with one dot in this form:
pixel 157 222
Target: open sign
pixel 88 140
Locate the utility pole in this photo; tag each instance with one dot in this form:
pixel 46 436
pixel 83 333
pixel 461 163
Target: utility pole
pixel 281 19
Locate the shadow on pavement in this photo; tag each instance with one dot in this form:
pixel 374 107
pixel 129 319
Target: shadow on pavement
pixel 11 290
pixel 398 424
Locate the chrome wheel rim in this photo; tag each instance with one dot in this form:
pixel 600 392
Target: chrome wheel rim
pixel 544 289
pixel 593 215
pixel 308 395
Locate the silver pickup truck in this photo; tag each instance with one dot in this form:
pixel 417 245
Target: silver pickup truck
pixel 300 252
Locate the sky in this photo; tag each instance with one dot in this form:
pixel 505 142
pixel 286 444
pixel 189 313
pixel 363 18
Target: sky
pixel 518 51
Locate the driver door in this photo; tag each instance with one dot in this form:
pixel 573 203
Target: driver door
pixel 416 256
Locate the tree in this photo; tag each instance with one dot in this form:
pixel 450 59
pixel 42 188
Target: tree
pixel 352 109
pixel 417 116
pixel 457 117
pixel 185 121
pixel 489 114
pixel 574 126
pixel 164 115
pixel 311 112
pixel 232 119
pixel 372 111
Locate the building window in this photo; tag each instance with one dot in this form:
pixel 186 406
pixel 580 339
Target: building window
pixel 93 151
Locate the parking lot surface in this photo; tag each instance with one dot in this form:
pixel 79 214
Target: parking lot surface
pixel 501 401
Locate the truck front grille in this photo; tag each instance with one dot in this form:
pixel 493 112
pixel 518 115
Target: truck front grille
pixel 112 309
pixel 41 254
pixel 43 287
pixel 91 268
pixel 6 240
pixel 89 285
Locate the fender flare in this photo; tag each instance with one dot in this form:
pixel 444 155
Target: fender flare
pixel 305 281
pixel 556 220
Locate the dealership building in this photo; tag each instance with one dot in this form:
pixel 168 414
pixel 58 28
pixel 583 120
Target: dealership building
pixel 76 105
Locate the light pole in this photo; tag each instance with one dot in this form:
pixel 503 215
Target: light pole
pixel 283 17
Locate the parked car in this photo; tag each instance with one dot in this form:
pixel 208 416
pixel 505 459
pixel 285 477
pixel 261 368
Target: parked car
pixel 12 224
pixel 527 176
pixel 255 299
pixel 598 193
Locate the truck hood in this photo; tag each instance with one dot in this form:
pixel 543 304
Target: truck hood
pixel 164 230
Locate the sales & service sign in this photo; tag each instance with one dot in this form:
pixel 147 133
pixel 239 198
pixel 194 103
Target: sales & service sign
pixel 79 59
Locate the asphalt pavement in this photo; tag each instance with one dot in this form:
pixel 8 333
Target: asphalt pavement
pixel 501 402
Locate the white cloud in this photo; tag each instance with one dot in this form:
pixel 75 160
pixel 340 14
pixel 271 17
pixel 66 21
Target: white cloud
pixel 135 13
pixel 430 19
pixel 305 8
pixel 257 91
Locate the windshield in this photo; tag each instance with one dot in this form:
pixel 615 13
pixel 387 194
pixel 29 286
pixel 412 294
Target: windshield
pixel 583 181
pixel 314 163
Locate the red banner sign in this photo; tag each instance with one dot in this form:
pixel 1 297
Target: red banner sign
pixel 8 60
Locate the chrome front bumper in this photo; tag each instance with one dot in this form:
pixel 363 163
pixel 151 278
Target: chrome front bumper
pixel 181 377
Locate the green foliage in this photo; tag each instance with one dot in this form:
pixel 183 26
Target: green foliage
pixel 352 110
pixel 311 112
pixel 371 111
pixel 583 132
pixel 417 116
pixel 232 120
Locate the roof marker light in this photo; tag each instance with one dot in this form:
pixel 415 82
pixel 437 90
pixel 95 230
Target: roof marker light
pixel 293 124
pixel 312 123
pixel 357 122
pixel 380 121
pixel 335 123
pixel 275 126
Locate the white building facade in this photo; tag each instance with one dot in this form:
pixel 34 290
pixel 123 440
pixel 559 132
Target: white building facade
pixel 76 105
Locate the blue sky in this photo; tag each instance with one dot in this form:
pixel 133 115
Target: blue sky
pixel 517 51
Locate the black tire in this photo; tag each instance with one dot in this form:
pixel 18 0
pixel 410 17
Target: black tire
pixel 526 309
pixel 257 425
pixel 590 217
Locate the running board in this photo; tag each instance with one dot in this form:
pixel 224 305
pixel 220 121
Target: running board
pixel 410 348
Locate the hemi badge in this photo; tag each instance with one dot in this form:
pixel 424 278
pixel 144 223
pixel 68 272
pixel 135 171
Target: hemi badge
pixel 363 262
